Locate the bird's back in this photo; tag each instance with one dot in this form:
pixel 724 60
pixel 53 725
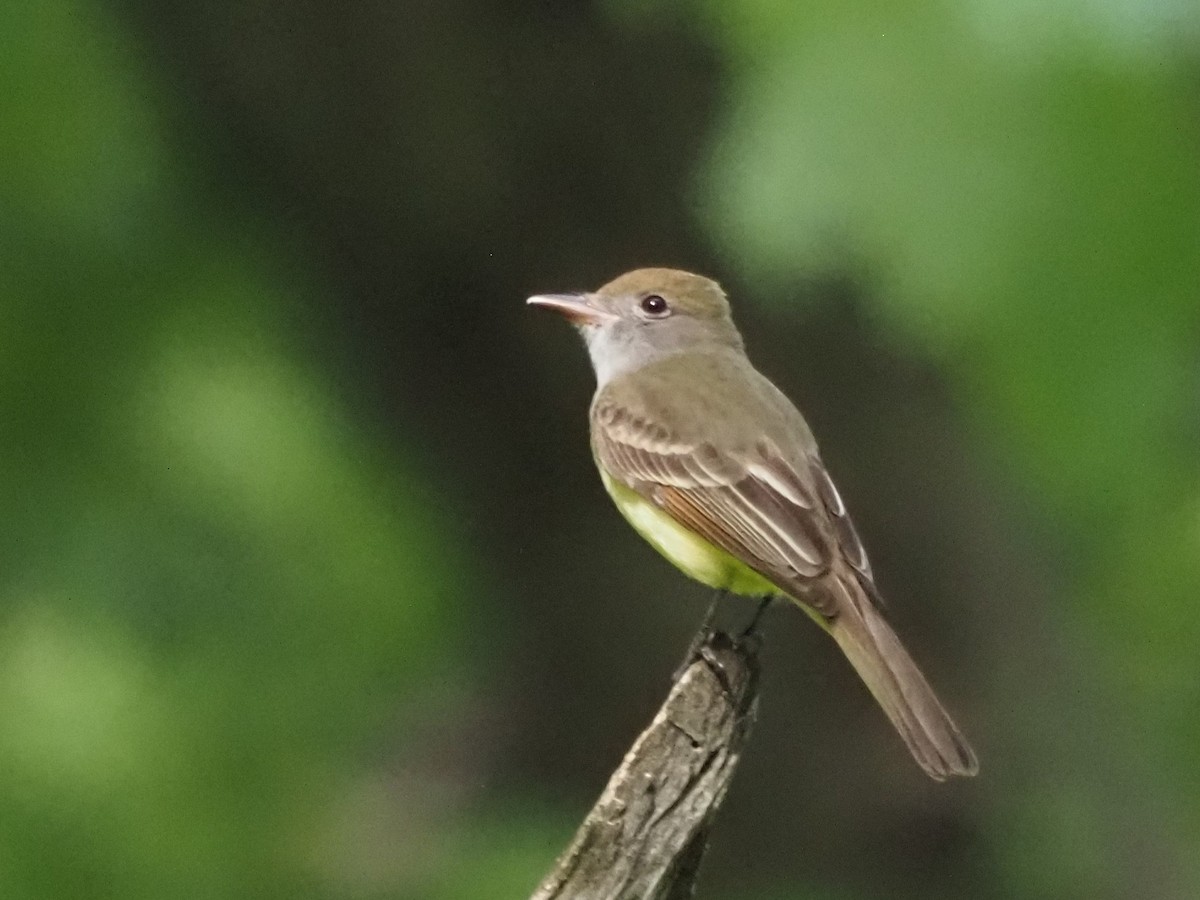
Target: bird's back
pixel 717 408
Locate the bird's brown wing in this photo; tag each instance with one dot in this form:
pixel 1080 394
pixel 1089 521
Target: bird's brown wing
pixel 785 521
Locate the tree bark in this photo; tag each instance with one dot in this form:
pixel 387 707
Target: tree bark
pixel 647 834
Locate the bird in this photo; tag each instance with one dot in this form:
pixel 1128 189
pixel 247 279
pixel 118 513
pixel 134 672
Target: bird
pixel 718 470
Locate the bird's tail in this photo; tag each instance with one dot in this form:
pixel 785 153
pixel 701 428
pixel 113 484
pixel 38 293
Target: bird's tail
pixel 896 682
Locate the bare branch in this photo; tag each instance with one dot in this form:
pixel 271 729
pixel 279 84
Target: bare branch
pixel 646 835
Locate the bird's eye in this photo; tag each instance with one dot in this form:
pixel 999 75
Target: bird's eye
pixel 654 305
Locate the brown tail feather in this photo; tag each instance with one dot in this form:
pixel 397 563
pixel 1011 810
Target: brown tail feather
pixel 896 682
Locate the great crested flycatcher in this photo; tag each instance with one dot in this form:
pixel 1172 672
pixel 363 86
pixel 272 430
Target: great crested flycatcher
pixel 716 468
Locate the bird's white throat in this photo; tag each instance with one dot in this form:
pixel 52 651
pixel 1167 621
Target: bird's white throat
pixel 618 348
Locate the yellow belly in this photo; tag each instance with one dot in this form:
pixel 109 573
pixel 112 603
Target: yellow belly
pixel 690 553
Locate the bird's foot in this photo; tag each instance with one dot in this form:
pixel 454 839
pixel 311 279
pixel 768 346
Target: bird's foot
pixel 716 665
pixel 700 640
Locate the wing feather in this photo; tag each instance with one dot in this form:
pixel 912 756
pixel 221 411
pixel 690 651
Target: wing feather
pixel 847 535
pixel 754 504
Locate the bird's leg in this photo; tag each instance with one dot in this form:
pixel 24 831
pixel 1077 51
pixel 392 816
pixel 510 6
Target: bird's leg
pixel 751 630
pixel 711 615
pixel 702 634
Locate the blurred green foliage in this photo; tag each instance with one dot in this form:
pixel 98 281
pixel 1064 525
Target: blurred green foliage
pixel 229 605
pixel 210 571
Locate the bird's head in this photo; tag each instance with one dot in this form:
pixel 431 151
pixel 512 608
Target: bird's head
pixel 647 314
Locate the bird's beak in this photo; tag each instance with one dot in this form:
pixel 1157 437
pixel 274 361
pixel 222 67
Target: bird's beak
pixel 579 309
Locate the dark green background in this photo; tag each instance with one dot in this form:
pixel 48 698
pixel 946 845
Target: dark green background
pixel 307 586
